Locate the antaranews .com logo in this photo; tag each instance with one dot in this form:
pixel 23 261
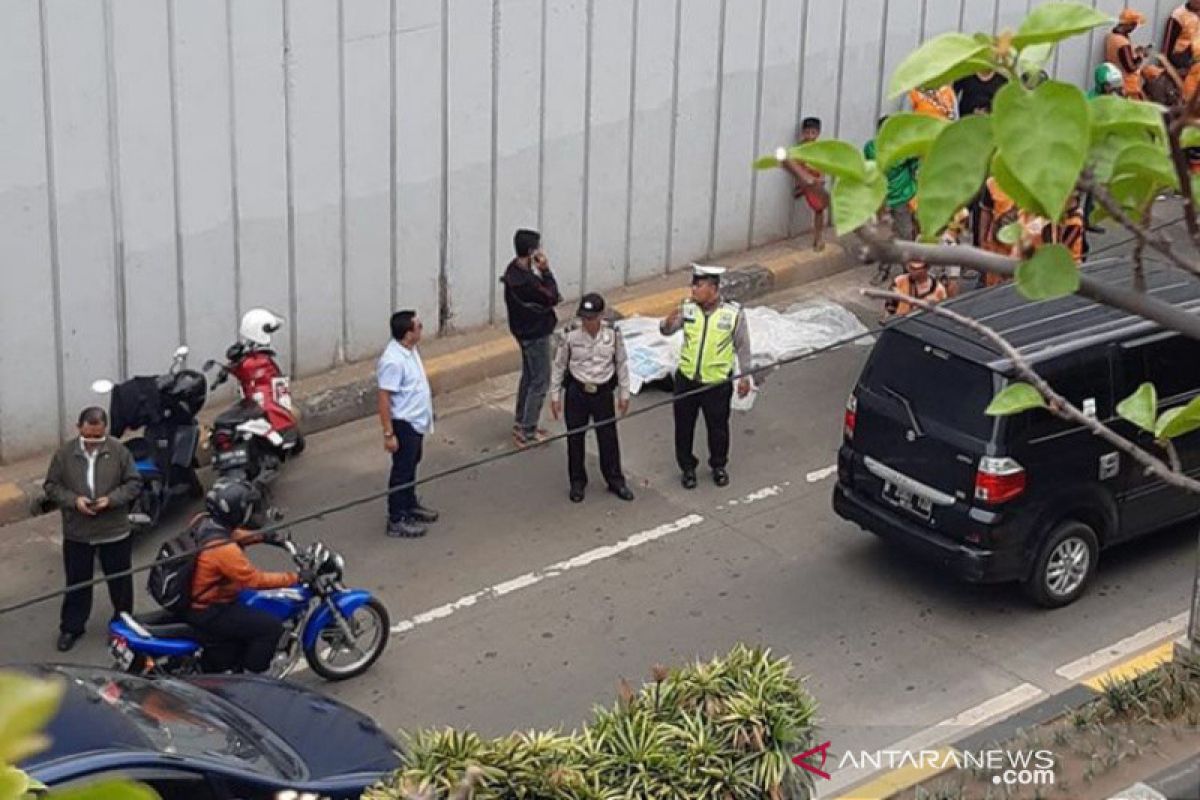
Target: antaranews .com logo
pixel 1007 767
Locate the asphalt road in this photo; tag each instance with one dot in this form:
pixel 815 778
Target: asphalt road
pixel 889 645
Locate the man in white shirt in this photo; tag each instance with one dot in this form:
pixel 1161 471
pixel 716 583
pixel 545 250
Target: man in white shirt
pixel 406 412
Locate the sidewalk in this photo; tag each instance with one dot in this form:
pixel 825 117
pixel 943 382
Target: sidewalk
pixel 453 362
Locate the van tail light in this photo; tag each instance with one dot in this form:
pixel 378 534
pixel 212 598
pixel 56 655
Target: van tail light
pixel 999 480
pixel 850 418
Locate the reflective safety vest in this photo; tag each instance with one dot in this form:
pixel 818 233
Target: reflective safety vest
pixel 708 353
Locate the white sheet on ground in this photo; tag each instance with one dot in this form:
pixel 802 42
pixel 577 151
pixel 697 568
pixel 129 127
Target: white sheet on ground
pixel 774 336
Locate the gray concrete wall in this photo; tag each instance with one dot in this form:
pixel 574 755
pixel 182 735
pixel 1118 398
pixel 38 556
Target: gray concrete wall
pixel 166 164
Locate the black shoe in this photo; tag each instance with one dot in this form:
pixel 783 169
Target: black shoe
pixel 689 479
pixel 622 491
pixel 576 493
pixel 420 513
pixel 406 529
pixel 67 640
pixel 720 476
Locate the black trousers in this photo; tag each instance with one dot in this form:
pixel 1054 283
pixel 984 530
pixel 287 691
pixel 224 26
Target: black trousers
pixel 245 638
pixel 714 403
pixel 404 470
pixel 79 561
pixel 579 409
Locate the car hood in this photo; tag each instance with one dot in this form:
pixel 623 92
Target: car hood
pixel 332 739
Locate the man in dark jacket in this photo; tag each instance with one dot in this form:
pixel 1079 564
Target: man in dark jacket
pixel 93 479
pixel 530 294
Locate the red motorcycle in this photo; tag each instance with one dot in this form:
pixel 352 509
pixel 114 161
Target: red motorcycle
pixel 253 439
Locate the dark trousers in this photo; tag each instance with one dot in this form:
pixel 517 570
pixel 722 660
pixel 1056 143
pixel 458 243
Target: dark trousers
pixel 404 470
pixel 579 409
pixel 535 382
pixel 79 560
pixel 714 403
pixel 245 638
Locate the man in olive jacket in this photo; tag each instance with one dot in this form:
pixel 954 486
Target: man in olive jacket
pixel 93 480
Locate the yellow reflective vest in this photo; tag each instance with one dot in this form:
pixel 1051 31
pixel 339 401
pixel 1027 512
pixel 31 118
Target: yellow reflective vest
pixel 708 353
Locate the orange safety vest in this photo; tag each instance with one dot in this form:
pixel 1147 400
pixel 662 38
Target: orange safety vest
pixel 1114 46
pixel 933 102
pixel 1189 31
pixel 904 285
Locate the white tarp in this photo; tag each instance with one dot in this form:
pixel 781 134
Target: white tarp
pixel 774 336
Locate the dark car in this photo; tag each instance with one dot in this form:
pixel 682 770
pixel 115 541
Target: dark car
pixel 209 738
pixel 1029 497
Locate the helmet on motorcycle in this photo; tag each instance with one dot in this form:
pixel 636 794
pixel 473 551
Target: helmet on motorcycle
pixel 258 324
pixel 230 502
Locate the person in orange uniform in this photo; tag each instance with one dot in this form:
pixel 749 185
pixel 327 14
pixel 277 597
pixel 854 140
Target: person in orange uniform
pixel 222 571
pixel 1072 231
pixel 1119 50
pixel 940 102
pixel 997 210
pixel 1181 44
pixel 916 282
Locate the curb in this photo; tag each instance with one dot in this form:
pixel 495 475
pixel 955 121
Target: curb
pixel 347 393
pixel 894 782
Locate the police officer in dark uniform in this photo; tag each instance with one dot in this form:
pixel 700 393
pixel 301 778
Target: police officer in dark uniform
pixel 590 369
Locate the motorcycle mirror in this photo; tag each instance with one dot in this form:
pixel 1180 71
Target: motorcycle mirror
pixel 182 351
pixel 102 386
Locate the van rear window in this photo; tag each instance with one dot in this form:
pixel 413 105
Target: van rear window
pixel 940 387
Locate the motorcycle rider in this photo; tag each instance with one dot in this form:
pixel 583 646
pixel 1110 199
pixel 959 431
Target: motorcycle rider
pixel 223 570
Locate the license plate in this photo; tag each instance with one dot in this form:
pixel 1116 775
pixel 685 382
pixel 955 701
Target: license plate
pixel 121 652
pixel 910 502
pixel 233 458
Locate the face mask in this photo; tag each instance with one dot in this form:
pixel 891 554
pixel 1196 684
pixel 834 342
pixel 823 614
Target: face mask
pixel 99 440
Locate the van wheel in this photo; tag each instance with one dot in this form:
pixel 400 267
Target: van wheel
pixel 1064 566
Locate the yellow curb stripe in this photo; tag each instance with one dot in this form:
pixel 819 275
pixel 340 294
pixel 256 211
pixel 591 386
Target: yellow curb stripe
pixel 10 493
pixel 653 305
pixel 902 779
pixel 1138 665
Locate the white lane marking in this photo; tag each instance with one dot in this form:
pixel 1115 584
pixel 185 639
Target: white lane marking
pixel 1139 791
pixel 821 474
pixel 754 497
pixel 552 571
pixel 1097 661
pixel 945 731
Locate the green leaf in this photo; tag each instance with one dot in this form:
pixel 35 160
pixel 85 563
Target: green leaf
pixel 1044 137
pixel 953 171
pixel 1110 113
pixel 934 59
pixel 1011 185
pixel 855 203
pixel 13 783
pixel 1053 22
pixel 1190 137
pixel 833 157
pixel 1015 398
pixel 906 136
pixel 1033 59
pixel 107 790
pixel 767 162
pixel 1141 407
pixel 1052 272
pixel 1107 149
pixel 1178 422
pixel 1149 162
pixel 26 705
pixel 1135 193
pixel 1010 234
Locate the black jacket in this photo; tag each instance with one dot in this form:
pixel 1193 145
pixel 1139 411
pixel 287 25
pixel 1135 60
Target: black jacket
pixel 116 477
pixel 530 301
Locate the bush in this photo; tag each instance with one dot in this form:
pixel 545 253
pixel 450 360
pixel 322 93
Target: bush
pixel 724 729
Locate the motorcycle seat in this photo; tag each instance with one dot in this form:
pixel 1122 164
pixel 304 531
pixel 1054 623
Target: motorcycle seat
pixel 166 625
pixel 243 411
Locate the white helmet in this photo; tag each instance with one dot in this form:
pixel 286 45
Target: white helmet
pixel 258 324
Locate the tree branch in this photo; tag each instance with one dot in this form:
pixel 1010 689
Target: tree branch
pixel 1145 237
pixel 881 248
pixel 1055 402
pixel 1183 170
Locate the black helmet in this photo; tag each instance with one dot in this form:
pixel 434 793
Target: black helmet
pixel 230 502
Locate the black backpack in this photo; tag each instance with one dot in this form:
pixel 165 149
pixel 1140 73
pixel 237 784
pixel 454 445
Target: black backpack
pixel 170 581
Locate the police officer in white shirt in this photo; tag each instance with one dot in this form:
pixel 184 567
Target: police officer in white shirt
pixel 590 369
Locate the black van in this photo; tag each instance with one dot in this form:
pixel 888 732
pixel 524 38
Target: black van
pixel 1030 497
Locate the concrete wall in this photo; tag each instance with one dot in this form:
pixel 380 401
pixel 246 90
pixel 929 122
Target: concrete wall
pixel 167 164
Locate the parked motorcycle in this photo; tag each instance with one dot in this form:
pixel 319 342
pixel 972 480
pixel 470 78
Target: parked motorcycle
pixel 341 632
pixel 165 408
pixel 260 432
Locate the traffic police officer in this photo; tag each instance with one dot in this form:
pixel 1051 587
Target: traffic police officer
pixel 714 331
pixel 589 367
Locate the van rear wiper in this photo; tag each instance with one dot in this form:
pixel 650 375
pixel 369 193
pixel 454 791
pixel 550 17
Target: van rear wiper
pixel 912 417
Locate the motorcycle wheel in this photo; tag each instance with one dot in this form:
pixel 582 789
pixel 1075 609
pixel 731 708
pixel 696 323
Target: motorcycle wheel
pixel 371 627
pixel 298 448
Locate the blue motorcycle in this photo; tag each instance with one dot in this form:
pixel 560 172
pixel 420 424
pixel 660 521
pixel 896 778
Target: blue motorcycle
pixel 341 632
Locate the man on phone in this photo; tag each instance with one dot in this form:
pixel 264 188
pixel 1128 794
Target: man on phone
pixel 93 480
pixel 530 295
